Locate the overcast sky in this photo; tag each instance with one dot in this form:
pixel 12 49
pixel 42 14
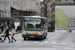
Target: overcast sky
pixel 41 0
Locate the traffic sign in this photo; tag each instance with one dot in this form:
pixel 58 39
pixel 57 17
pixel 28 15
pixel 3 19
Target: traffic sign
pixel 36 4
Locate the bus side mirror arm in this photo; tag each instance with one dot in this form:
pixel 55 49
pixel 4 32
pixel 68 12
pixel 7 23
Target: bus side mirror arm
pixel 43 22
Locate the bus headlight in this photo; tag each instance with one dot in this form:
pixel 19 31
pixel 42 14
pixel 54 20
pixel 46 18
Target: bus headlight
pixel 40 33
pixel 23 32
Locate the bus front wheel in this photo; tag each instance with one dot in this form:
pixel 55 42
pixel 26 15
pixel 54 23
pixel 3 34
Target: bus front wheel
pixel 24 38
pixel 45 36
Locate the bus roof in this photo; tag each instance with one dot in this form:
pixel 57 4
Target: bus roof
pixel 35 17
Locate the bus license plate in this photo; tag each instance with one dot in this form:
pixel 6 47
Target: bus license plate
pixel 32 36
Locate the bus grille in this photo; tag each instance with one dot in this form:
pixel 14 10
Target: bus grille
pixel 31 32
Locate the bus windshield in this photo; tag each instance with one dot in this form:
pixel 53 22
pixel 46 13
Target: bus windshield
pixel 33 24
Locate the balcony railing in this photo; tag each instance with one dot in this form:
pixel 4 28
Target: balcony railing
pixel 59 3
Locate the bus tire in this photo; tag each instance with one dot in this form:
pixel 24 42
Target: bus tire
pixel 45 36
pixel 24 38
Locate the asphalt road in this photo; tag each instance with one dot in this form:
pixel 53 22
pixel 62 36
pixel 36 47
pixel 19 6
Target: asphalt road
pixel 54 41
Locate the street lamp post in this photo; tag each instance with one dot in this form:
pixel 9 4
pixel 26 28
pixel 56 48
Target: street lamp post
pixel 0 16
pixel 5 8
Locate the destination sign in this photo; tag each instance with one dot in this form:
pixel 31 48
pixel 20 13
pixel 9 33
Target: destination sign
pixel 33 19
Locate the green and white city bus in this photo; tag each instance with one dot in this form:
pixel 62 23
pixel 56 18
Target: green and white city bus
pixel 34 27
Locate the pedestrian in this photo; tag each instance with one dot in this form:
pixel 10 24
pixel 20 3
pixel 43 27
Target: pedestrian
pixel 70 30
pixel 8 23
pixel 2 27
pixel 7 34
pixel 12 35
pixel 5 24
pixel 13 26
pixel 10 27
pixel 0 36
pixel 18 27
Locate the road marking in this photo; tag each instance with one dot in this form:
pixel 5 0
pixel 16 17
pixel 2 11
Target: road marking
pixel 25 42
pixel 63 43
pixel 69 47
pixel 22 42
pixel 50 38
pixel 57 46
pixel 53 42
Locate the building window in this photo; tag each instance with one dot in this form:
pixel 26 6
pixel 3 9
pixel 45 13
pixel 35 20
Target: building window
pixel 66 1
pixel 51 6
pixel 51 0
pixel 56 0
pixel 0 15
pixel 48 11
pixel 3 15
pixel 59 0
pixel 47 1
pixel 74 1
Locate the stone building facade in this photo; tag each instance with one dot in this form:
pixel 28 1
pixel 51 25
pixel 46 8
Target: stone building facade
pixel 42 9
pixel 17 8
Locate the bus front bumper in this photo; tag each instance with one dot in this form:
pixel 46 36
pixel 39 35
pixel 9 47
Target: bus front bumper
pixel 31 36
